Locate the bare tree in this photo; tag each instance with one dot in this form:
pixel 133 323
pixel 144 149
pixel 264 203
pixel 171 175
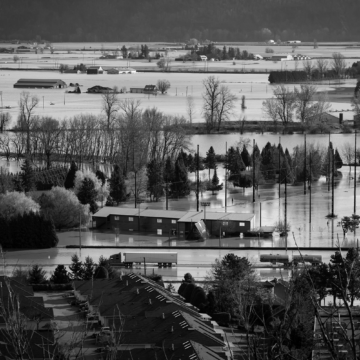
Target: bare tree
pixel 28 104
pixel 225 106
pixel 281 106
pixel 338 64
pixel 5 146
pixel 304 98
pixel 190 108
pixel 322 66
pixel 211 97
pixel 309 67
pixel 5 119
pixel 110 105
pixel 163 85
pixel 348 153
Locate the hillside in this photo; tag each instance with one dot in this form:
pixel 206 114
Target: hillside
pixel 179 20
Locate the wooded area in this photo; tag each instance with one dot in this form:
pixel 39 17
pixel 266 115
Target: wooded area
pixel 179 20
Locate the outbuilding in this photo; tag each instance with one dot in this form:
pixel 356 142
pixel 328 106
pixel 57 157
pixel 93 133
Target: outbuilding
pixel 94 70
pixel 40 83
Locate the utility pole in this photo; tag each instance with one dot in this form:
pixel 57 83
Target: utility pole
pixel 304 164
pixel 253 165
pixel 260 214
pixel 329 165
pixel 166 189
pixel 144 267
pixel 226 176
pixel 310 193
pixel 134 176
pixel 355 177
pixel 80 229
pixel 285 209
pixel 197 180
pixel 279 162
pixel 333 184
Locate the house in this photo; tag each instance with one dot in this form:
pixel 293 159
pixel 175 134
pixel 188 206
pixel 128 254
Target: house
pixel 326 118
pixel 97 89
pixel 148 89
pixel 151 318
pixel 281 57
pixel 94 70
pixel 166 222
pixel 40 83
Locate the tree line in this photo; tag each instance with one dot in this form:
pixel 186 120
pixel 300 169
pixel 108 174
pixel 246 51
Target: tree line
pixel 180 20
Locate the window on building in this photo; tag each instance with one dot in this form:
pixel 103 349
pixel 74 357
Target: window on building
pixel 116 218
pixel 173 221
pixel 131 219
pixel 159 220
pixel 225 223
pixel 242 224
pixel 159 231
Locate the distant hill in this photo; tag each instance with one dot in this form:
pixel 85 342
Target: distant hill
pixel 180 20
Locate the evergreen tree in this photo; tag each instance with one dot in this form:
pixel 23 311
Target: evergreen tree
pixel 180 185
pixel 27 176
pixel 288 157
pixel 267 163
pixel 210 160
pixel 168 170
pixel 60 275
pixel 338 160
pixel 155 179
pixel 104 262
pixel 246 157
pixel 37 275
pixel 88 194
pixel 117 185
pixel 285 173
pixel 88 268
pixel 76 268
pixel 236 167
pixel 215 183
pixel 101 176
pixel 70 177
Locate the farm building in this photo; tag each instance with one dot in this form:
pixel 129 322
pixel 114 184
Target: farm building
pixel 40 83
pixel 281 57
pixel 148 89
pixel 203 58
pixel 94 70
pixel 326 118
pixel 98 89
pixel 165 222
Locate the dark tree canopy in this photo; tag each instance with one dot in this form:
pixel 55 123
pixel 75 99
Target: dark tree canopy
pixel 70 177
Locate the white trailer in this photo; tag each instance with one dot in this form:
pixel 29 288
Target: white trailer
pixel 161 258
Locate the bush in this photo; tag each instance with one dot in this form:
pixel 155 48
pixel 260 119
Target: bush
pixel 269 50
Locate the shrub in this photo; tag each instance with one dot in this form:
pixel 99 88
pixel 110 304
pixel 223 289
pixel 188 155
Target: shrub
pixel 269 50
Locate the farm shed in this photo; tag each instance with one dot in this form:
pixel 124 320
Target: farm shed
pixel 40 83
pixel 94 70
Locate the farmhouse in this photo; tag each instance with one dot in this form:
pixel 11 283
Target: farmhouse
pixel 327 118
pixel 94 70
pixel 40 83
pixel 165 222
pixel 148 89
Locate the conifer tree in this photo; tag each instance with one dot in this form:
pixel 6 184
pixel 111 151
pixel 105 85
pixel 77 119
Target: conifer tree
pixel 117 185
pixel 88 268
pixel 27 176
pixel 155 179
pixel 37 275
pixel 210 159
pixel 88 194
pixel 60 275
pixel 76 268
pixel 338 160
pixel 215 183
pixel 70 177
pixel 246 157
pixel 180 185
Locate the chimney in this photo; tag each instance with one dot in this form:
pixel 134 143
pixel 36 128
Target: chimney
pixel 163 315
pixel 150 302
pixel 340 118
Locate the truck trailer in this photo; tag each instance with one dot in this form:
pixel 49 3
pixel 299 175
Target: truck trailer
pixel 163 259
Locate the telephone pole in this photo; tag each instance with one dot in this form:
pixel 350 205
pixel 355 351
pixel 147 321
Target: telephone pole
pixel 197 180
pixel 253 166
pixel 333 184
pixel 355 176
pixel 226 176
pixel 304 164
